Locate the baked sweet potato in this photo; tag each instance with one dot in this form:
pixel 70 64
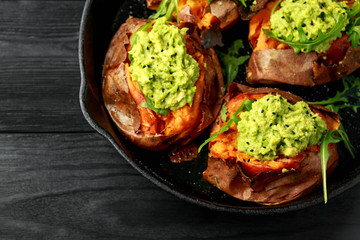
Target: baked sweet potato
pixel 147 129
pixel 265 182
pixel 273 62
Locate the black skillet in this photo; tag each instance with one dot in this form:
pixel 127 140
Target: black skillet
pixel 99 22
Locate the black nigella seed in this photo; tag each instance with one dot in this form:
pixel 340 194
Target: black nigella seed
pixel 293 132
pixel 147 48
pixel 264 147
pixel 286 125
pixel 273 113
pixel 150 42
pixel 314 117
pixel 267 99
pixel 152 58
pixel 307 112
pixel 303 25
pixel 162 50
pixel 170 82
pixel 144 66
pixel 248 160
pixel 244 160
pixel 271 124
pixel 262 110
pixel 162 90
pixel 247 143
pixel 251 150
pixel 282 17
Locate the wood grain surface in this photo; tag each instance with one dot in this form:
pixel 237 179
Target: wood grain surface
pixel 59 179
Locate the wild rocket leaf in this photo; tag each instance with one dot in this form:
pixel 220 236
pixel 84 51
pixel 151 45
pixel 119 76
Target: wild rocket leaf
pixel 348 98
pixel 330 137
pixel 166 9
pixel 231 61
pixel 247 104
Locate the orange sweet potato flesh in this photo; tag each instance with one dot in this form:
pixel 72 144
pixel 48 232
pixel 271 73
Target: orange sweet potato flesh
pixel 249 179
pixel 273 62
pixel 145 128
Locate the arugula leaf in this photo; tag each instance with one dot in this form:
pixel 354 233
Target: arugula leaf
pixel 341 100
pixel 354 10
pixel 304 44
pixel 242 2
pixel 161 10
pixel 166 8
pixel 247 104
pixel 223 112
pixel 354 32
pixel 149 104
pixel 231 61
pixel 330 137
pixel 351 92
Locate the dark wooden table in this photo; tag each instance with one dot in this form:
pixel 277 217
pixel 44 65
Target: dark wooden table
pixel 59 179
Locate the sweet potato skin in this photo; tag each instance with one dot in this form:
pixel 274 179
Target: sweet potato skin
pixel 118 95
pixel 271 188
pixel 273 62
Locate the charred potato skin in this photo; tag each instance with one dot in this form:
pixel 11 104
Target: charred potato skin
pixel 273 62
pixel 270 188
pixel 283 66
pixel 122 108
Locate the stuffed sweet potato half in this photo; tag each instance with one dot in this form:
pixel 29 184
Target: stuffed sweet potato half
pixel 159 85
pixel 304 42
pixel 272 154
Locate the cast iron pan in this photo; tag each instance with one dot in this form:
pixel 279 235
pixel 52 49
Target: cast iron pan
pixel 100 21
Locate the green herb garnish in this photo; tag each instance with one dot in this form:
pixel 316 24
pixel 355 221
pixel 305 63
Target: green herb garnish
pixel 223 112
pixel 351 92
pixel 149 104
pixel 231 61
pixel 166 8
pixel 330 137
pixel 353 29
pixel 234 118
pixel 341 100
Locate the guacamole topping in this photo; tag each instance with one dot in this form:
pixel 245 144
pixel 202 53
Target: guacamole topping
pixel 274 127
pixel 161 66
pixel 309 15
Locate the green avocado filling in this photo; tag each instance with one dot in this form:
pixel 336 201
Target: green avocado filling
pixel 161 66
pixel 274 127
pixel 309 16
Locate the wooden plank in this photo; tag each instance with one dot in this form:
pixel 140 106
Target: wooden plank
pixel 39 67
pixel 76 186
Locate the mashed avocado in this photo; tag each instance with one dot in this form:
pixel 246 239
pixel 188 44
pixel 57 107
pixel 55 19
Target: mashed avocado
pixel 160 64
pixel 275 127
pixel 311 16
